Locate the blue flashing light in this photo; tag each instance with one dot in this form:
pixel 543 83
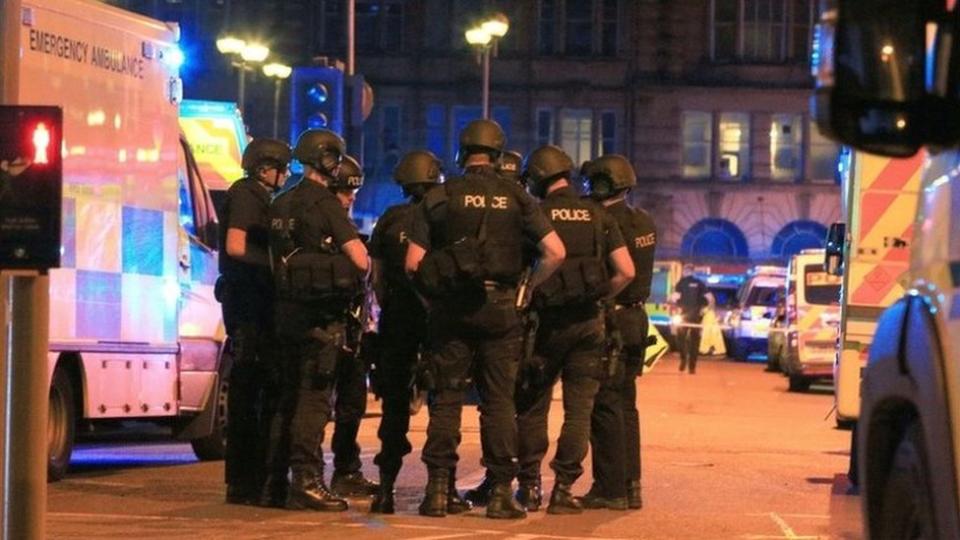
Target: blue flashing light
pixel 318 93
pixel 174 57
pixel 317 121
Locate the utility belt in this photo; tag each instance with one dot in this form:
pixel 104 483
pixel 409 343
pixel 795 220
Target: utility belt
pixel 579 280
pixel 463 265
pixel 632 323
pixel 308 275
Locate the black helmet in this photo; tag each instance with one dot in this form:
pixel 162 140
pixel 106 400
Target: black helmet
pixel 322 149
pixel 510 164
pixel 350 175
pixel 265 151
pixel 609 175
pixel 543 166
pixel 481 136
pixel 418 167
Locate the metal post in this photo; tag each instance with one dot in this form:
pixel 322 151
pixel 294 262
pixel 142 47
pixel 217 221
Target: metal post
pixel 351 35
pixel 486 83
pixel 24 327
pixel 276 105
pixel 242 67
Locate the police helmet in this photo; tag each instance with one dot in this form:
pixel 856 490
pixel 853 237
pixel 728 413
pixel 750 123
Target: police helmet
pixel 322 149
pixel 481 136
pixel 609 175
pixel 418 167
pixel 545 165
pixel 265 151
pixel 510 165
pixel 350 175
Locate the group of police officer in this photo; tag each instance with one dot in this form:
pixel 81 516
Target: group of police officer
pixel 478 284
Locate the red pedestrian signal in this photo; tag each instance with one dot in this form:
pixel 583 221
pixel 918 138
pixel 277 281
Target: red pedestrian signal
pixel 41 140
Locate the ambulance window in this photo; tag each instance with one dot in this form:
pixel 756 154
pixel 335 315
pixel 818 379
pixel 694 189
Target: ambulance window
pixel 186 201
pixel 201 207
pixel 764 296
pixel 821 288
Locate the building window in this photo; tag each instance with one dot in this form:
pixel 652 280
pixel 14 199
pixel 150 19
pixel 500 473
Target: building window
pixel 714 238
pixel 608 133
pixel 576 136
pixel 797 236
pixel 786 147
pixel 334 25
pixel 761 30
pixel 697 144
pixel 382 142
pixel 437 131
pixel 822 159
pixel 544 127
pixel 734 148
pixel 584 27
pixel 379 25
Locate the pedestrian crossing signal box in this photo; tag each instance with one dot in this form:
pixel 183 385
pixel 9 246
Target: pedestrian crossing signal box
pixel 31 186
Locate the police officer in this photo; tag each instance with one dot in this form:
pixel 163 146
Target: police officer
pixel 245 291
pixel 351 376
pixel 402 325
pixel 570 338
pixel 509 165
pixel 319 261
pixel 465 249
pixel 690 296
pixel 615 427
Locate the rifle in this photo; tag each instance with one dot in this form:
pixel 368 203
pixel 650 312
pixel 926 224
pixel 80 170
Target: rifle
pixel 612 343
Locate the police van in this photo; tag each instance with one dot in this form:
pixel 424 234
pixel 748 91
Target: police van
pixel 812 319
pixel 135 331
pixel 748 325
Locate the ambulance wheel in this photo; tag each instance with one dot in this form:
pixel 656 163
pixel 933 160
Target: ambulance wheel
pixel 61 425
pixel 799 383
pixel 214 446
pixel 906 507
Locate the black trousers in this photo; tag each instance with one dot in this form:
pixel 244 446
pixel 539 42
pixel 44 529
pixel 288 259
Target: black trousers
pixel 252 399
pixel 310 362
pixel 350 404
pixel 570 350
pixel 482 346
pixel 402 332
pixel 615 427
pixel 688 339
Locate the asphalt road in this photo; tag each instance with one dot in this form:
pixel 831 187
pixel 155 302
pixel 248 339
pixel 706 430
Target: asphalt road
pixel 727 453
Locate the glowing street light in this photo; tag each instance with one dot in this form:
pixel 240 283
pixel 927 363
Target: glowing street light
pixel 278 72
pixel 246 52
pixel 484 37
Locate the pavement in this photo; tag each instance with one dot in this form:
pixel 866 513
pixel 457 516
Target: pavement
pixel 727 453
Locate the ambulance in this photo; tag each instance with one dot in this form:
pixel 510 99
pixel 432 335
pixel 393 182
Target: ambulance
pixel 217 138
pixel 873 253
pixel 135 331
pixel 887 83
pixel 813 316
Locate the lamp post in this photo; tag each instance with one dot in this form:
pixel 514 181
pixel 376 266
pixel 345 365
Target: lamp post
pixel 279 72
pixel 484 37
pixel 246 52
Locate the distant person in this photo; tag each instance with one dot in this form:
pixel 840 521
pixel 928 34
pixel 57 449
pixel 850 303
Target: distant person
pixel 690 296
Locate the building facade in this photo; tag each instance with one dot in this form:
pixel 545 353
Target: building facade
pixel 707 98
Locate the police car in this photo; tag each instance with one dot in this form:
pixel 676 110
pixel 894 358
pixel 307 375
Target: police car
pixel 748 325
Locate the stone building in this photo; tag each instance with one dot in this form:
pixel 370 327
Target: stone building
pixel 707 98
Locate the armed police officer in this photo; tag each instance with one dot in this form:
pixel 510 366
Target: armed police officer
pixel 245 290
pixel 570 338
pixel 690 297
pixel 319 262
pixel 465 250
pixel 403 322
pixel 351 375
pixel 509 165
pixel 615 423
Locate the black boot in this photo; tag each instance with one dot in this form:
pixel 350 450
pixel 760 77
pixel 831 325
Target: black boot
pixel 309 492
pixel 455 503
pixel 274 492
pixel 503 505
pixel 480 495
pixel 383 500
pixel 530 495
pixel 353 485
pixel 593 500
pixel 241 494
pixel 562 501
pixel 434 502
pixel 634 494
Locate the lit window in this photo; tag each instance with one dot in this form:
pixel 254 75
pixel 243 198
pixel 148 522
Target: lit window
pixel 822 160
pixel 697 144
pixel 786 147
pixel 734 148
pixel 576 133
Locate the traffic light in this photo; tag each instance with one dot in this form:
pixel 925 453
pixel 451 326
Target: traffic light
pixel 316 100
pixel 31 184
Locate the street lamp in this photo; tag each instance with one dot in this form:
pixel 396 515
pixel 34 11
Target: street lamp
pixel 279 72
pixel 247 52
pixel 484 37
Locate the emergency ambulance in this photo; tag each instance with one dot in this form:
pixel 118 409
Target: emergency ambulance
pixel 813 316
pixel 666 274
pixel 880 200
pixel 888 83
pixel 217 138
pixel 135 332
pixel 748 325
